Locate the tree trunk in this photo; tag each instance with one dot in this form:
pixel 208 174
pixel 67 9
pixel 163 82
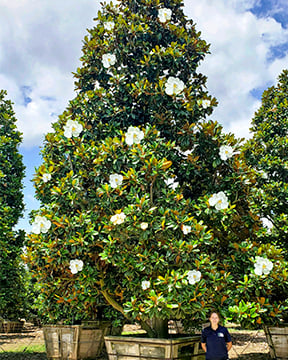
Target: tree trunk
pixel 160 328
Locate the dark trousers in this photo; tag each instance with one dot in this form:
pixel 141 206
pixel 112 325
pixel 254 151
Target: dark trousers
pixel 222 358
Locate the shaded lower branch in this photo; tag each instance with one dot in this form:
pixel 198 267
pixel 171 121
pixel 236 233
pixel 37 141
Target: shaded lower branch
pixel 119 308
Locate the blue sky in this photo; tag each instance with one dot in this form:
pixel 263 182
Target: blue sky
pixel 40 47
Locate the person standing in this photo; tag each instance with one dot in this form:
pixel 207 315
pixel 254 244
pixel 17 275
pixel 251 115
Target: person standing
pixel 215 339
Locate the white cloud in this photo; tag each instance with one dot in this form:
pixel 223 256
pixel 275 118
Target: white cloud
pixel 40 47
pixel 242 5
pixel 40 44
pixel 238 63
pixel 49 96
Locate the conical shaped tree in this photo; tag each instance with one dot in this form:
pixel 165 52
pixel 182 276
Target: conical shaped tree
pixel 146 197
pixel 267 153
pixel 11 209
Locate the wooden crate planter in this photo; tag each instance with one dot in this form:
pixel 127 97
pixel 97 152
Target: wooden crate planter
pixel 75 342
pixel 277 338
pixel 137 348
pixel 11 326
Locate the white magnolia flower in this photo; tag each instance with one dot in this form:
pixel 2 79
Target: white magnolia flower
pixel 72 128
pixel 186 229
pixel 145 284
pixel 262 266
pixel 193 276
pixel 164 15
pixel 267 223
pixel 109 25
pixel 75 266
pixel 206 103
pixel 97 85
pixel 134 135
pixel 144 225
pixel 115 180
pixel 40 225
pixel 108 60
pixel 171 183
pixel 225 152
pixel 219 200
pixel 46 177
pixel 263 174
pixel 118 219
pixel 174 86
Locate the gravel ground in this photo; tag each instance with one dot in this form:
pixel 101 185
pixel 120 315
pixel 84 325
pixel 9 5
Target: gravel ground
pixel 247 345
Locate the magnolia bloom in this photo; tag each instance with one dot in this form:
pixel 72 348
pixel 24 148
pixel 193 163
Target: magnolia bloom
pixel 262 266
pixel 75 266
pixel 108 60
pixel 219 200
pixel 225 152
pixel 118 219
pixel 193 276
pixel 174 86
pixel 41 225
pixel 164 15
pixel 97 85
pixel 186 229
pixel 46 177
pixel 109 25
pixel 134 135
pixel 72 128
pixel 144 225
pixel 115 180
pixel 263 174
pixel 206 103
pixel 171 183
pixel 145 284
pixel 267 223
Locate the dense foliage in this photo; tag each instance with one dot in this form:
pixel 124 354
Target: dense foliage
pixel 267 152
pixel 144 201
pixel 12 293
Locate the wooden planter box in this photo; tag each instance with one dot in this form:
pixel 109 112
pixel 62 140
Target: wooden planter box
pixel 75 342
pixel 137 348
pixel 277 338
pixel 11 326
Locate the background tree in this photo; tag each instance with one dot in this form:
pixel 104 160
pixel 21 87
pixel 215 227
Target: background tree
pixel 12 291
pixel 267 153
pixel 144 200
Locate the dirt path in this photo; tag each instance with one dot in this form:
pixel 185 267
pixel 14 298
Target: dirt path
pixel 249 345
pixel 30 337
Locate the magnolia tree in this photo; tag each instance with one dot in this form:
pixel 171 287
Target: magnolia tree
pixel 266 152
pixel 11 207
pixel 144 201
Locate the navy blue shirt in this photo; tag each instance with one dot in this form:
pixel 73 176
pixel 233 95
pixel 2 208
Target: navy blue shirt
pixel 215 341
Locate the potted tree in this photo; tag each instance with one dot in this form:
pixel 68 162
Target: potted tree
pixel 12 289
pixel 266 152
pixel 145 201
